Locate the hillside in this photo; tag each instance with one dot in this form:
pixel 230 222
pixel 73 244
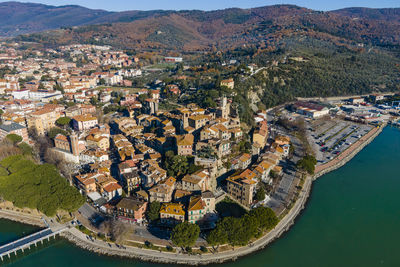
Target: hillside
pixel 383 14
pixel 21 18
pixel 200 30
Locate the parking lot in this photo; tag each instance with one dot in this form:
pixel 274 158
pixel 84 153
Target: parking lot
pixel 330 138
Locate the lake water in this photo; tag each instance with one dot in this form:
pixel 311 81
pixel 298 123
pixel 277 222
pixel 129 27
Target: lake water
pixel 352 219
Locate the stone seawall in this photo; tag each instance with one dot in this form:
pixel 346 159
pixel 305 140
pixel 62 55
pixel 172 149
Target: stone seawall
pixel 351 155
pixel 100 247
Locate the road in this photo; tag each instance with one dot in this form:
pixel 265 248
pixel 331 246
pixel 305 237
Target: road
pixel 179 258
pixel 280 196
pixel 91 214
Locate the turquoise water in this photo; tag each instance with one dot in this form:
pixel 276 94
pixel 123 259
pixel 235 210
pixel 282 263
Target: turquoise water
pixel 351 219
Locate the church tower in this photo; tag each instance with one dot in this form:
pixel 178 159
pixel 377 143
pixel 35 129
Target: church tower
pixel 74 144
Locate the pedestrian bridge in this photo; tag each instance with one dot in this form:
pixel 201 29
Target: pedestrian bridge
pixel 26 242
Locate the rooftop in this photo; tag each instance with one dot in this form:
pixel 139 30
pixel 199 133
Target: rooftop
pixel 11 127
pixel 130 203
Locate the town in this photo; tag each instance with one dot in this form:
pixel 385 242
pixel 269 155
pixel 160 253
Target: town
pixel 130 139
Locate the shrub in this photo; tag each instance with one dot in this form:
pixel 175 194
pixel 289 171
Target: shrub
pixel 14 138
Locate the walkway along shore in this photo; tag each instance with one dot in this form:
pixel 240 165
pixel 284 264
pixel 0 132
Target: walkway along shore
pixel 21 217
pixel 101 247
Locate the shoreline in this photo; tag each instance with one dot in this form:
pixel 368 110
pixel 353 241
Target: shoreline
pixel 79 239
pixel 20 217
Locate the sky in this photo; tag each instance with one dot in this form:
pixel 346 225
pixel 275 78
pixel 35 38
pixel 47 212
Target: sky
pixel 121 5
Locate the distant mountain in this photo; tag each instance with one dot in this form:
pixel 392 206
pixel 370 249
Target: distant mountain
pixel 383 14
pixel 21 18
pixel 197 30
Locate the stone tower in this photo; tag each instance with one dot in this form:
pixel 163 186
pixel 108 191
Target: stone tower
pixel 74 144
pixel 186 119
pixel 224 108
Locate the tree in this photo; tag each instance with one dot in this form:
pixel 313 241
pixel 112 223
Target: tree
pixel 58 87
pixel 266 217
pixel 260 194
pixel 193 168
pixel 39 187
pixel 153 212
pixel 209 103
pixel 206 152
pixel 217 237
pixel 179 165
pixel 239 231
pixel 118 230
pixel 14 138
pixel 248 229
pixel 176 165
pixel 54 131
pixel 185 234
pixel 273 174
pixel 63 121
pixel 26 149
pixel 94 101
pixel 307 163
pixel 142 98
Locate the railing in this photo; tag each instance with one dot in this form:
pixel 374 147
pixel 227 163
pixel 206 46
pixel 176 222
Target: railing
pixel 27 241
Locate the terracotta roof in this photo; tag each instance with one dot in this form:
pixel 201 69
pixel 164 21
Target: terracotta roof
pixel 143 194
pixel 199 117
pixel 248 174
pixel 170 181
pixel 185 140
pixel 245 157
pixel 112 187
pixel 192 179
pixel 277 169
pixel 181 193
pixel 172 208
pixel 130 203
pixel 207 194
pixel 196 203
pixel 85 117
pixel 61 137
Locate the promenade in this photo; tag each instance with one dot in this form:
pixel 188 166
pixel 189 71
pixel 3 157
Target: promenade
pixel 101 247
pixel 284 224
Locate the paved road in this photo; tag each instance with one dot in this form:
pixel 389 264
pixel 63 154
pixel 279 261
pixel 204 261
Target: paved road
pixel 91 214
pixel 281 194
pixel 146 254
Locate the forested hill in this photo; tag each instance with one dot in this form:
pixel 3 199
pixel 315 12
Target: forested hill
pixel 383 14
pixel 202 30
pixel 21 18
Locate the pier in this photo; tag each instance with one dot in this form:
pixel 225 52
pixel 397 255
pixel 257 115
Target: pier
pixel 26 242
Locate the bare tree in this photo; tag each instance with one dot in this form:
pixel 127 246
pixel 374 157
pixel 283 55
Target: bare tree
pixel 7 148
pixel 119 230
pixel 100 115
pixel 106 227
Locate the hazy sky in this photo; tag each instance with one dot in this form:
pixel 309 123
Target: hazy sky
pixel 119 5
